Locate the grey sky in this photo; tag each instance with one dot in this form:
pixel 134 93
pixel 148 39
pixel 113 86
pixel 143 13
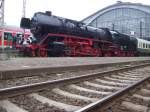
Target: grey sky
pixel 73 9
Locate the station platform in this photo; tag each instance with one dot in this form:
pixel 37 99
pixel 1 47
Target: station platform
pixel 31 63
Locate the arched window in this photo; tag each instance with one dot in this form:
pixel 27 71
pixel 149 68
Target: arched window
pixel 144 45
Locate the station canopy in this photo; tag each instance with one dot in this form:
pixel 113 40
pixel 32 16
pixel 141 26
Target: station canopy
pixel 129 18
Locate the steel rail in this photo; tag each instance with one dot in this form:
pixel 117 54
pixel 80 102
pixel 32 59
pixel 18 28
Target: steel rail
pixel 25 89
pixel 104 103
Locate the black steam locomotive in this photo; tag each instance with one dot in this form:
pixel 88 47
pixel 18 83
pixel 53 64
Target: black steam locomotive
pixel 43 23
pixel 73 38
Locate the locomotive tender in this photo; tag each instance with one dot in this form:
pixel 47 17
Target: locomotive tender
pixel 57 36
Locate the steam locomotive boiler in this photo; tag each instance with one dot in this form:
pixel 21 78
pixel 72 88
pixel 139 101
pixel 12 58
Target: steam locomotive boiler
pixel 57 36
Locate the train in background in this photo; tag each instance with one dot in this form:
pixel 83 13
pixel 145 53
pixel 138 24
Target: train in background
pixel 142 47
pixel 12 37
pixel 57 36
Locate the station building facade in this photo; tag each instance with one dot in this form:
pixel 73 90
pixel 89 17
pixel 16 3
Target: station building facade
pixel 128 18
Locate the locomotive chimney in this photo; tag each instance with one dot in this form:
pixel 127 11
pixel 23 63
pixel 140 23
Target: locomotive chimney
pixel 25 23
pixel 49 13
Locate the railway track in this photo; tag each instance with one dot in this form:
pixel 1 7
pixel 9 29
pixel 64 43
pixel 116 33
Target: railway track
pixel 133 98
pixel 80 93
pixel 41 77
pixel 18 79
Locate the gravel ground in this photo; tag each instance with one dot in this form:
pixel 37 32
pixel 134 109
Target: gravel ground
pixel 48 77
pixel 114 108
pixel 118 108
pixel 111 80
pixel 122 109
pixel 119 80
pixel 96 82
pixel 144 70
pixel 94 88
pixel 2 110
pixel 137 101
pixel 86 94
pixel 146 95
pixel 33 105
pixel 111 84
pixel 63 99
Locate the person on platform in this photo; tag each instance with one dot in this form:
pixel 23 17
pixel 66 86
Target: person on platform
pixel 9 40
pixel 14 41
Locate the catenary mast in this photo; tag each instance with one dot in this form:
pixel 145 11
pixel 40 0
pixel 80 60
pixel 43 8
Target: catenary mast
pixel 2 12
pixel 24 8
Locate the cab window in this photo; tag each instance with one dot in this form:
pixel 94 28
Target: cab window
pixel 7 36
pixel 143 45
